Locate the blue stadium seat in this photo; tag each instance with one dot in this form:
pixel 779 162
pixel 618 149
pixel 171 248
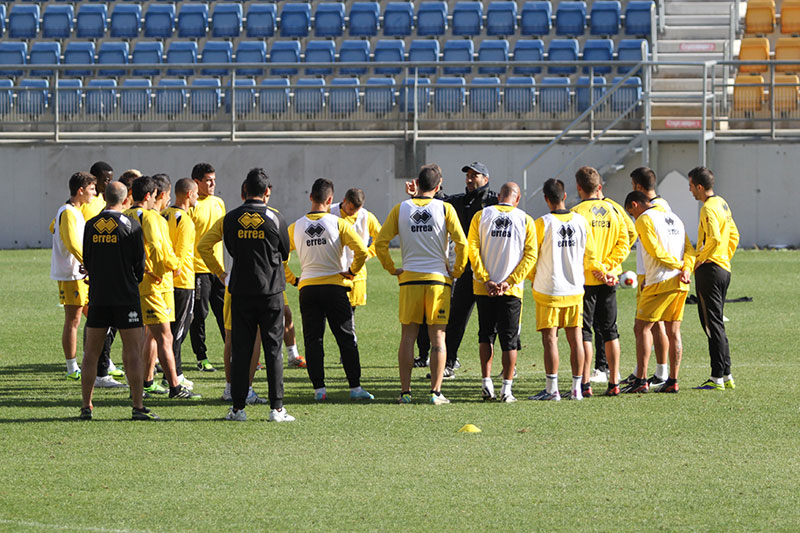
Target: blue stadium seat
pixel 32 96
pixel 57 21
pixel 364 19
pixel 461 51
pixel 631 50
pixel 6 96
pixel 217 52
pixel 295 20
pixel 605 18
pixel 135 95
pixel 554 96
pixel 431 18
pixel 562 50
pixel 262 20
pixel 170 96
pixel 637 17
pixel 627 94
pixel 398 19
pixel 92 21
pixel 126 21
pixel 227 20
pixel 354 52
pixel 449 95
pixel 79 53
pixel 320 52
pixel 501 18
pixel 467 18
pixel 309 95
pixel 45 53
pixel 274 95
pixel 23 21
pixel 112 53
pixel 181 52
pixel 598 50
pixel 285 52
pixel 329 19
pixel 205 96
pixel 100 96
pixel 192 21
pixel 484 99
pixel 423 50
pixel 343 95
pixel 536 19
pixel 583 92
pixel 69 96
pixel 528 50
pixel 389 51
pixel 245 96
pixel 3 22
pixel 379 95
pixel 251 52
pixel 147 52
pixel 519 96
pixel 159 21
pixel 571 18
pixel 423 100
pixel 493 51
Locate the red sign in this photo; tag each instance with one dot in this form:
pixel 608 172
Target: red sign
pixel 684 124
pixel 698 47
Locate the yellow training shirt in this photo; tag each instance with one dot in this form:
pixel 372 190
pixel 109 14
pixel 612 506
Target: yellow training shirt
pixel 208 210
pixel 160 259
pixel 93 208
pixel 608 231
pixel 182 236
pixel 652 245
pixel 717 235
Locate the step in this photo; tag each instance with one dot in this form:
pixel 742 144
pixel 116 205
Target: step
pixel 697 8
pixel 692 32
pixel 705 45
pixel 697 20
pixel 677 110
pixel 691 56
pixel 679 84
pixel 686 71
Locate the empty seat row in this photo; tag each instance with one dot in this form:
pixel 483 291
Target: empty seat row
pixel 757 49
pixel 751 93
pixel 760 17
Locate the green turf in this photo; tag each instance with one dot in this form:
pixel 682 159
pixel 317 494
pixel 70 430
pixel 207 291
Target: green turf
pixel 698 460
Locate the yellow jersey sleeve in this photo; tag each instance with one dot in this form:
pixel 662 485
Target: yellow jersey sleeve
pixel 171 261
pixel 459 239
pixel 387 233
pixel 351 239
pixel 622 246
pixel 68 231
pixel 649 241
pixel 206 248
pixel 591 262
pixel 474 249
pixel 374 228
pixel 529 254
pixel 688 255
pixel 733 239
pixel 539 229
pixel 290 277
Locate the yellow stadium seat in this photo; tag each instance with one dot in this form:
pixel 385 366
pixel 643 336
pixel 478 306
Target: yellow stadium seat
pixel 787 48
pixel 760 16
pixel 790 16
pixel 748 98
pixel 754 49
pixel 787 92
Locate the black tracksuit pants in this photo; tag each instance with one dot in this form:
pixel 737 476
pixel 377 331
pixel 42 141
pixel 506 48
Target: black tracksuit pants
pixel 208 291
pixel 711 282
pixel 462 302
pixel 184 309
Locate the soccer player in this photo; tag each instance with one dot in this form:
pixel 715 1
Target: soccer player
pixel 114 257
pixel 502 251
pixel 668 261
pixel 599 299
pixel 566 252
pixel 66 264
pixel 127 178
pixel 325 279
pixel 103 172
pixel 209 290
pixel 717 238
pixel 423 225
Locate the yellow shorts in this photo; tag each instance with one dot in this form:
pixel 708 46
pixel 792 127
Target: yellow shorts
pixel 226 310
pixel 158 308
pixel 428 303
pixel 285 299
pixel 666 306
pixel 74 292
pixel 358 294
pixel 558 317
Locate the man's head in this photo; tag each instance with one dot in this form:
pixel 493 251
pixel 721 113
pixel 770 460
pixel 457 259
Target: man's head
pixel 186 192
pixel 429 179
pixel 163 190
pixel 206 178
pixel 144 191
pixel 554 194
pixel 104 174
pixel 637 203
pixel 353 201
pixel 116 193
pixel 509 194
pixel 477 175
pixel 82 187
pixel 589 182
pixel 322 192
pixel 256 184
pixel 127 178
pixel 701 183
pixel 643 179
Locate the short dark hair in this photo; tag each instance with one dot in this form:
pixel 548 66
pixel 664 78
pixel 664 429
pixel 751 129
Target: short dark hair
pixel 702 176
pixel 78 180
pixel 100 168
pixel 645 178
pixel 433 166
pixel 321 190
pixel 162 183
pixel 201 169
pixel 355 196
pixel 141 186
pixel 256 183
pixel 429 178
pixel 636 196
pixel 553 190
pixel 588 179
pixel 115 195
pixel 184 185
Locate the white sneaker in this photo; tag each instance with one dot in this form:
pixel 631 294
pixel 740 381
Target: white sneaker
pixel 508 398
pixel 598 376
pixel 107 382
pixel 575 395
pixel 226 396
pixel 439 399
pixel 186 383
pixel 280 415
pixel 236 416
pixel 255 399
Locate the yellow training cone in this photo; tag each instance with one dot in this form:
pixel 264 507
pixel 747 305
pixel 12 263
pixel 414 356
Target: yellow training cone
pixel 470 428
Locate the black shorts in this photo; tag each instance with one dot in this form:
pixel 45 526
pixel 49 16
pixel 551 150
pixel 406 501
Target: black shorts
pixel 114 316
pixel 499 316
pixel 600 312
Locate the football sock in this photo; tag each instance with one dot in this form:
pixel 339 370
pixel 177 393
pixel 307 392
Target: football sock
pixel 436 392
pixel 718 381
pixel 111 366
pixel 506 388
pixel 148 383
pixel 576 382
pixel 180 378
pixel 487 384
pixel 636 370
pixel 662 372
pixel 227 388
pixel 551 385
pixel 726 377
pixel 321 390
pixel 72 365
pixel 670 381
pixel 292 350
pixel 356 389
pixel 406 392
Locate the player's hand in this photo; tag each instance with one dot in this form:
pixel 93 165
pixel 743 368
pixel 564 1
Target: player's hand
pixel 152 276
pixel 599 276
pixel 346 274
pixel 411 188
pixel 491 287
pixel 503 288
pixel 398 271
pixel 611 280
pixel 686 276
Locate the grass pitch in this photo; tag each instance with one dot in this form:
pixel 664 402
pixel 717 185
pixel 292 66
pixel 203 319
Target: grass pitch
pixel 698 460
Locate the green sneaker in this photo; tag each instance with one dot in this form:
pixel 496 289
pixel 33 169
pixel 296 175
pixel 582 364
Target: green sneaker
pixel 155 388
pixel 74 376
pixel 404 398
pixel 144 414
pixel 729 384
pixel 710 385
pixel 205 366
pixel 116 373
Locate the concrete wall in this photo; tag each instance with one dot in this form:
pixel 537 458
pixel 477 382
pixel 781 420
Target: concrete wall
pixel 753 177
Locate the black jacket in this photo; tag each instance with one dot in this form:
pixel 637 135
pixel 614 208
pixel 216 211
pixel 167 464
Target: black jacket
pixel 469 203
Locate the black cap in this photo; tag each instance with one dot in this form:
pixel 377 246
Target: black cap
pixel 478 167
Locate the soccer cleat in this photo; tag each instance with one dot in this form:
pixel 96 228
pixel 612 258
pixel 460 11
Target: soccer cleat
pixel 586 390
pixel 669 387
pixel 187 383
pixel 280 415
pixel 627 381
pixel 656 384
pixel 226 396
pixel 320 396
pixel 361 395
pixel 144 414
pixel 205 366
pixel 729 384
pixel 710 385
pixel 575 395
pixel 107 382
pixel 613 390
pixel 297 362
pixel 598 376
pixel 419 362
pixel 439 399
pixel 182 393
pixel 155 388
pixel 640 386
pixel 86 413
pixel 507 398
pixel 74 376
pixel 116 373
pixel 236 416
pixel 404 398
pixel 254 399
pixel 457 364
pixel 546 396
pixel 488 396
pixel 447 373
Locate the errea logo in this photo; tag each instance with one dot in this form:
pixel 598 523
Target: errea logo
pixel 250 220
pixel 566 233
pixel 105 225
pixel 316 232
pixel 502 227
pixel 419 221
pixel 599 211
pixel 133 317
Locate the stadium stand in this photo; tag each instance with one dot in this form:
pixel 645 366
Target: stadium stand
pixel 484 99
pixel 519 95
pixel 424 51
pixel 493 51
pixel 320 52
pixel 353 51
pixel 786 49
pixel 135 96
pixel 754 49
pixel 181 52
pixel 598 50
pixel 584 89
pixel 638 17
pixel 45 53
pixel 630 92
pixel 148 52
pixel 606 18
pixel 554 95
pixel 787 93
pixel 251 52
pixel 450 94
pixel 790 17
pixel 458 52
pixel 100 96
pixel 274 95
pixel 244 94
pixel 285 52
pixel 69 96
pixel 571 19
pixel 205 96
pixel 33 96
pixel 748 93
pixel 309 95
pixel 379 95
pixel 343 96
pixel 389 51
pixel 6 96
pixel 562 50
pixel 79 53
pixel 528 50
pixel 406 99
pixel 760 16
pixel 170 96
pixel 113 53
pixel 216 52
